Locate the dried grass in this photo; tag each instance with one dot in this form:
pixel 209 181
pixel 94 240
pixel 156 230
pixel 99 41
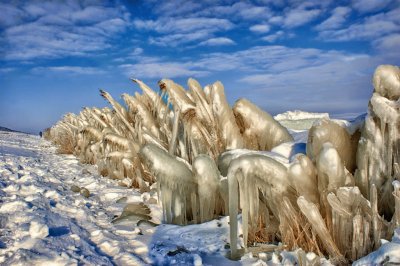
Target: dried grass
pixel 66 144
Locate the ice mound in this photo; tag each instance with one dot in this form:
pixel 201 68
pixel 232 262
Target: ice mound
pixel 299 120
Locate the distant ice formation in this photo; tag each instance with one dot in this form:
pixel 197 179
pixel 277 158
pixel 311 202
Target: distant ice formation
pixel 299 120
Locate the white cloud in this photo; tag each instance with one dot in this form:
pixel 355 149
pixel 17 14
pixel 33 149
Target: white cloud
pixel 54 30
pixel 303 77
pixel 7 69
pixel 275 58
pixel 388 44
pixel 184 25
pixel 217 42
pixel 298 17
pixel 336 20
pixel 216 9
pixel 260 28
pixel 158 70
pixel 69 70
pixel 274 37
pixel 179 7
pixel 137 51
pixel 93 14
pixel 276 20
pixel 177 31
pixel 251 12
pixel 297 77
pixel 174 40
pixel 10 15
pixel 365 6
pixel 369 28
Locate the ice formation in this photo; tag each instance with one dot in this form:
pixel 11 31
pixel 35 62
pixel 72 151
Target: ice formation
pixel 299 120
pixel 208 180
pixel 259 129
pixel 303 177
pixel 328 131
pixel 338 200
pixel 176 184
pixel 379 147
pixel 226 124
pixel 247 175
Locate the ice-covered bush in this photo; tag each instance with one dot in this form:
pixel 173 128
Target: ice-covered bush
pixel 339 200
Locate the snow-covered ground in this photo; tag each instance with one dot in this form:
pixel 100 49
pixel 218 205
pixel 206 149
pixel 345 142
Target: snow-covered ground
pixel 43 221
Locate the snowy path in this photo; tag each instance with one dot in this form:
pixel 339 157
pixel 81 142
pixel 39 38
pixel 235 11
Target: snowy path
pixel 43 220
pixel 36 201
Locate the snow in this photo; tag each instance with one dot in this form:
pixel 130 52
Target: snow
pixel 42 221
pixel 299 115
pixel 299 120
pixel 38 230
pixel 387 254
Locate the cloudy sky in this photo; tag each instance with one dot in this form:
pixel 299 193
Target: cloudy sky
pixel 281 54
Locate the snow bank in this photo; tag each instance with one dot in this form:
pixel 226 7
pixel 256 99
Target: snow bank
pixel 299 120
pixel 300 115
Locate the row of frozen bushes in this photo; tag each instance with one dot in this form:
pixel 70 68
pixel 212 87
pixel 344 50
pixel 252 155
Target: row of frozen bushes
pixel 208 159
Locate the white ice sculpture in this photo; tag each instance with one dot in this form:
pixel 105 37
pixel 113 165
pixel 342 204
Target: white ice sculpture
pixel 247 175
pixel 303 177
pixel 207 176
pixel 227 127
pixel 176 184
pixel 327 130
pixel 259 129
pixel 378 151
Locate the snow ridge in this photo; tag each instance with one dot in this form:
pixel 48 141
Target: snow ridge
pixel 298 115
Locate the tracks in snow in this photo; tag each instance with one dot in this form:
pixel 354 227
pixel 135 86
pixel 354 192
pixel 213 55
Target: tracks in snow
pixel 35 188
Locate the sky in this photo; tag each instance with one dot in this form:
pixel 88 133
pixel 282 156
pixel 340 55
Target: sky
pixel 282 55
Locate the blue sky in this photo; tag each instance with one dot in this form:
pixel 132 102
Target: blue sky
pixel 280 54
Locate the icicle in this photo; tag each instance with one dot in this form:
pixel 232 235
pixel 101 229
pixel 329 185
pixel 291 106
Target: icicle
pixel 375 220
pixel 310 210
pixel 391 138
pixel 175 177
pixel 227 127
pixel 396 194
pixel 256 172
pixel 233 212
pixel 172 144
pixel 358 243
pixel 303 177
